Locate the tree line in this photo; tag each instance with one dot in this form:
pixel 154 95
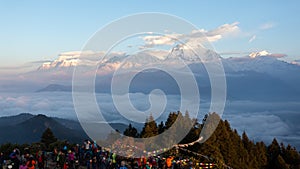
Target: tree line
pixel 224 146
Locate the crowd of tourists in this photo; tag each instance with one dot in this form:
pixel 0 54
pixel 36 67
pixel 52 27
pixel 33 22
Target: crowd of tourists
pixel 16 160
pixel 90 156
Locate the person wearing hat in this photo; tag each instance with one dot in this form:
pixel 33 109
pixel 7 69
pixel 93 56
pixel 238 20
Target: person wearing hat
pixel 15 158
pixel 71 158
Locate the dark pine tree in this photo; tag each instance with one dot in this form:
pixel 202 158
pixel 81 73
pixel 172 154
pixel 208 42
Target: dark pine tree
pixel 171 119
pixel 279 163
pixel 131 132
pixel 150 128
pixel 261 154
pixel 291 156
pixel 273 153
pixel 48 137
pixel 161 127
pixel 246 141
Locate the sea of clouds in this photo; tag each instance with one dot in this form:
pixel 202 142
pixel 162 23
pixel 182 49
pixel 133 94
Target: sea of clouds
pixel 261 120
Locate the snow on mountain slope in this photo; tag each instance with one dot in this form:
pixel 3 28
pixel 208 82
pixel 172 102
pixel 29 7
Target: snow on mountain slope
pixel 258 54
pixel 78 58
pixel 262 62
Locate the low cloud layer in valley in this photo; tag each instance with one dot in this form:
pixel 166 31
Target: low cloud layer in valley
pixel 261 120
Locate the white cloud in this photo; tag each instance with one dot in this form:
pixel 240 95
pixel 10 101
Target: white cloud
pixel 195 38
pixel 161 54
pixel 278 121
pixel 278 55
pixel 159 40
pixel 252 38
pixel 296 62
pixel 267 26
pixel 260 126
pixel 224 30
pixel 239 53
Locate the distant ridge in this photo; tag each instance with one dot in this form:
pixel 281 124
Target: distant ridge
pixel 56 88
pixel 16 119
pixel 28 128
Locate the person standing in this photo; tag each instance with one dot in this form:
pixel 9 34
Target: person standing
pixel 1 160
pixel 15 158
pixel 123 165
pixel 23 165
pixel 169 162
pixel 71 158
pixel 31 163
pixel 88 159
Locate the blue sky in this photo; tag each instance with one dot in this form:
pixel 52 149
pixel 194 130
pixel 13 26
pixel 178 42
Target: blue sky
pixel 40 30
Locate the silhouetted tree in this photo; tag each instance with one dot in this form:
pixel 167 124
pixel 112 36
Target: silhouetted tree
pixel 48 137
pixel 150 128
pixel 131 132
pixel 279 163
pixel 161 127
pixel 171 119
pixel 291 156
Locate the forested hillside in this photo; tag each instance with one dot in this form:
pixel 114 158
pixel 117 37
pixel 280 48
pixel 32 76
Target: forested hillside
pixel 225 146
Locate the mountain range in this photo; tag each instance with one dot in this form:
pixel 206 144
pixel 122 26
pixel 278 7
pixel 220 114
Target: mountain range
pixel 28 128
pixel 260 76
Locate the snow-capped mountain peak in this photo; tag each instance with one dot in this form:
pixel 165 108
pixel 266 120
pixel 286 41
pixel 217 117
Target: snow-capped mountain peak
pixel 192 55
pixel 66 60
pixel 178 56
pixel 76 58
pixel 258 54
